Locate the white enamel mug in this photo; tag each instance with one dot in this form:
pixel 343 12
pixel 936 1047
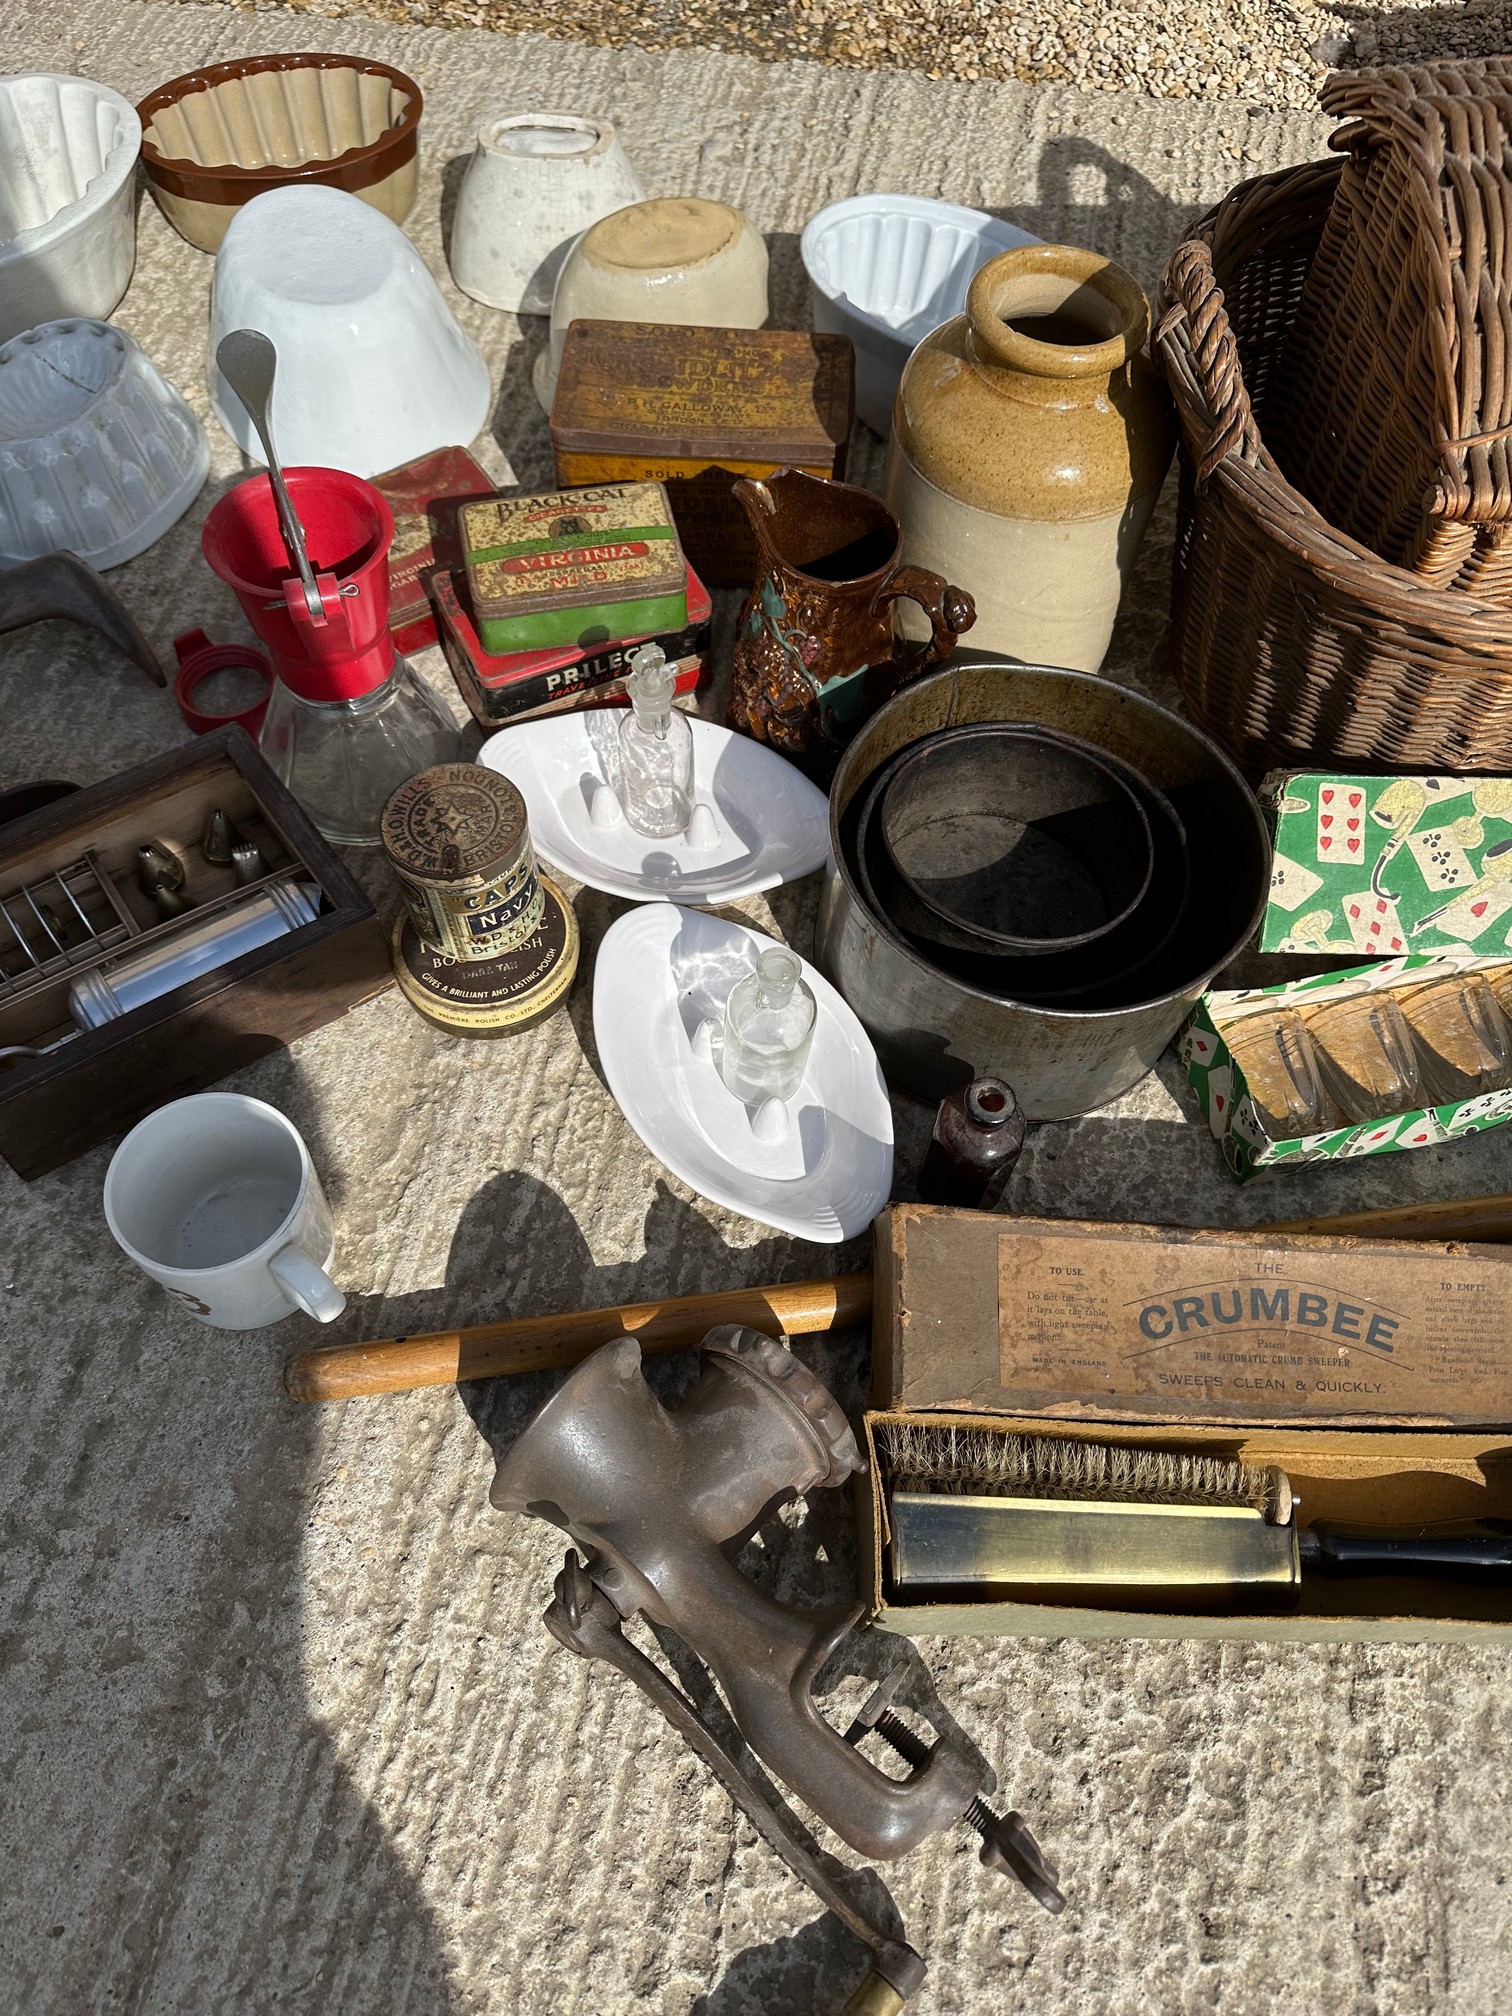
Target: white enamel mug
pixel 216 1198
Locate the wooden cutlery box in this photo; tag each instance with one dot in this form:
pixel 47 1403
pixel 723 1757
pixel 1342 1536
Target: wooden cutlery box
pixel 72 907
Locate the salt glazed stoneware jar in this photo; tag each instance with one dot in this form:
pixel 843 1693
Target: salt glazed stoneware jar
pixel 1030 440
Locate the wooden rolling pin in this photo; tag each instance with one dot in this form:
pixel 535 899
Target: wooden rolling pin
pixel 545 1343
pixel 542 1343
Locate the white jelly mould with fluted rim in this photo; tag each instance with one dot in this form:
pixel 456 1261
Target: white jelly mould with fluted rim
pixel 886 270
pixel 756 821
pixel 820 1167
pixel 68 147
pixel 536 179
pixel 373 369
pixel 99 454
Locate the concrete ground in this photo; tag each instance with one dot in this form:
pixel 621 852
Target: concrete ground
pixel 282 1730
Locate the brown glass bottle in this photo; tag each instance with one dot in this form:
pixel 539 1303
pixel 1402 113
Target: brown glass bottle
pixel 978 1133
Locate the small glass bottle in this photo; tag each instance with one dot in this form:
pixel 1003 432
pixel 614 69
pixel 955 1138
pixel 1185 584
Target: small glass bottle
pixel 656 750
pixel 769 1027
pixel 345 759
pixel 978 1133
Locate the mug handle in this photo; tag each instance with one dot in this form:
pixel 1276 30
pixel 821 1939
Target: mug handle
pixel 950 611
pixel 306 1284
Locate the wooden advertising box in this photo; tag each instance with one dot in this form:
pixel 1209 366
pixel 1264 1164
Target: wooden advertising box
pixel 1373 1373
pixel 694 408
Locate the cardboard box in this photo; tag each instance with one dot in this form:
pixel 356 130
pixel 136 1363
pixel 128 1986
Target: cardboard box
pixel 521 685
pixel 426 497
pixel 1374 1373
pixel 1376 866
pixel 1224 1093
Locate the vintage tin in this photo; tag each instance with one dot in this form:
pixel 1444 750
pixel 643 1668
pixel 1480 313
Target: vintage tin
pixel 426 497
pixel 578 567
pixel 457 839
pixel 694 408
pixel 492 997
pixel 520 685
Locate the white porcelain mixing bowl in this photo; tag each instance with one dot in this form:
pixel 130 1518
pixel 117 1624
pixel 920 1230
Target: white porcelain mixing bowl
pixel 372 367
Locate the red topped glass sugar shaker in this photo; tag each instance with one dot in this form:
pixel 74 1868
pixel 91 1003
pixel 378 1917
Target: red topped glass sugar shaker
pixel 348 720
pixel 978 1134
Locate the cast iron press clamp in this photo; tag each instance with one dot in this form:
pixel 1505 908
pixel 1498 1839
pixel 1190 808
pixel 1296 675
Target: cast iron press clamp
pixel 658 1502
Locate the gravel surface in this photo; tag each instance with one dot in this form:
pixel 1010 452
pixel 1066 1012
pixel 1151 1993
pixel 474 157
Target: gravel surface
pixel 1266 52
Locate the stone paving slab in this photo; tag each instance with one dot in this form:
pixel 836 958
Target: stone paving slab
pixel 282 1730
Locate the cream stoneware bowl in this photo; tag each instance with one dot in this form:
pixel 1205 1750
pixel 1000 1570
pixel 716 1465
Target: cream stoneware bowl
pixel 678 259
pixel 534 182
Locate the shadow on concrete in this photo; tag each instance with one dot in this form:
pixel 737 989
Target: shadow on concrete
pixel 1084 195
pixel 168 1790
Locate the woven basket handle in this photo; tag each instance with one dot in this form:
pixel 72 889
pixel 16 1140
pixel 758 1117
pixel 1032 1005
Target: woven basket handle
pixel 1194 293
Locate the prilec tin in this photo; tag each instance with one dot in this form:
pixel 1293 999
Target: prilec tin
pixel 457 839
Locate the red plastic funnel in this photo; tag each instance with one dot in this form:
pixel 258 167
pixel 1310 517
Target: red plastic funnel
pixel 348 530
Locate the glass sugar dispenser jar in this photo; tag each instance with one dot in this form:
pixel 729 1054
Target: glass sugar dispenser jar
pixel 768 1029
pixel 349 719
pixel 656 750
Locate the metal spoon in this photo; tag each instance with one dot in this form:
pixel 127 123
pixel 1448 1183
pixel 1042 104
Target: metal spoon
pixel 248 363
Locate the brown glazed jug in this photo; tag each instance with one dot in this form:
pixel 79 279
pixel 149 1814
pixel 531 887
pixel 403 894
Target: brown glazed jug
pixel 816 651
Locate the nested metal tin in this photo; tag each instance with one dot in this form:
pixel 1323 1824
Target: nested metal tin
pixel 457 839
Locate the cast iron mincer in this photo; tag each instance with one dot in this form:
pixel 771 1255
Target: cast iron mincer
pixel 660 1502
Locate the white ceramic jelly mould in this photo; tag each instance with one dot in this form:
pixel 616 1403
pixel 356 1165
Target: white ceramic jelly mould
pixel 99 455
pixel 885 270
pixel 67 216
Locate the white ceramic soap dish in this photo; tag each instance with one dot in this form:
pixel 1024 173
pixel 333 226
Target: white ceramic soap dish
pixel 756 821
pixel 819 1165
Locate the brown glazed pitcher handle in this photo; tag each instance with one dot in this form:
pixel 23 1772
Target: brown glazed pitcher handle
pixel 950 611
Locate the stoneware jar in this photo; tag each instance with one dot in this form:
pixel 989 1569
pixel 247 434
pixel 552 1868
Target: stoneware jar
pixel 534 182
pixel 1030 440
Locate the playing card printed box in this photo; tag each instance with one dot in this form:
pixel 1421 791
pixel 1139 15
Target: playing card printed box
pixel 1210 1040
pixel 1382 866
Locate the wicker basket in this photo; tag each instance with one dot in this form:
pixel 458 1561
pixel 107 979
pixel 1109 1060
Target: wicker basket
pixel 1393 405
pixel 1293 642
